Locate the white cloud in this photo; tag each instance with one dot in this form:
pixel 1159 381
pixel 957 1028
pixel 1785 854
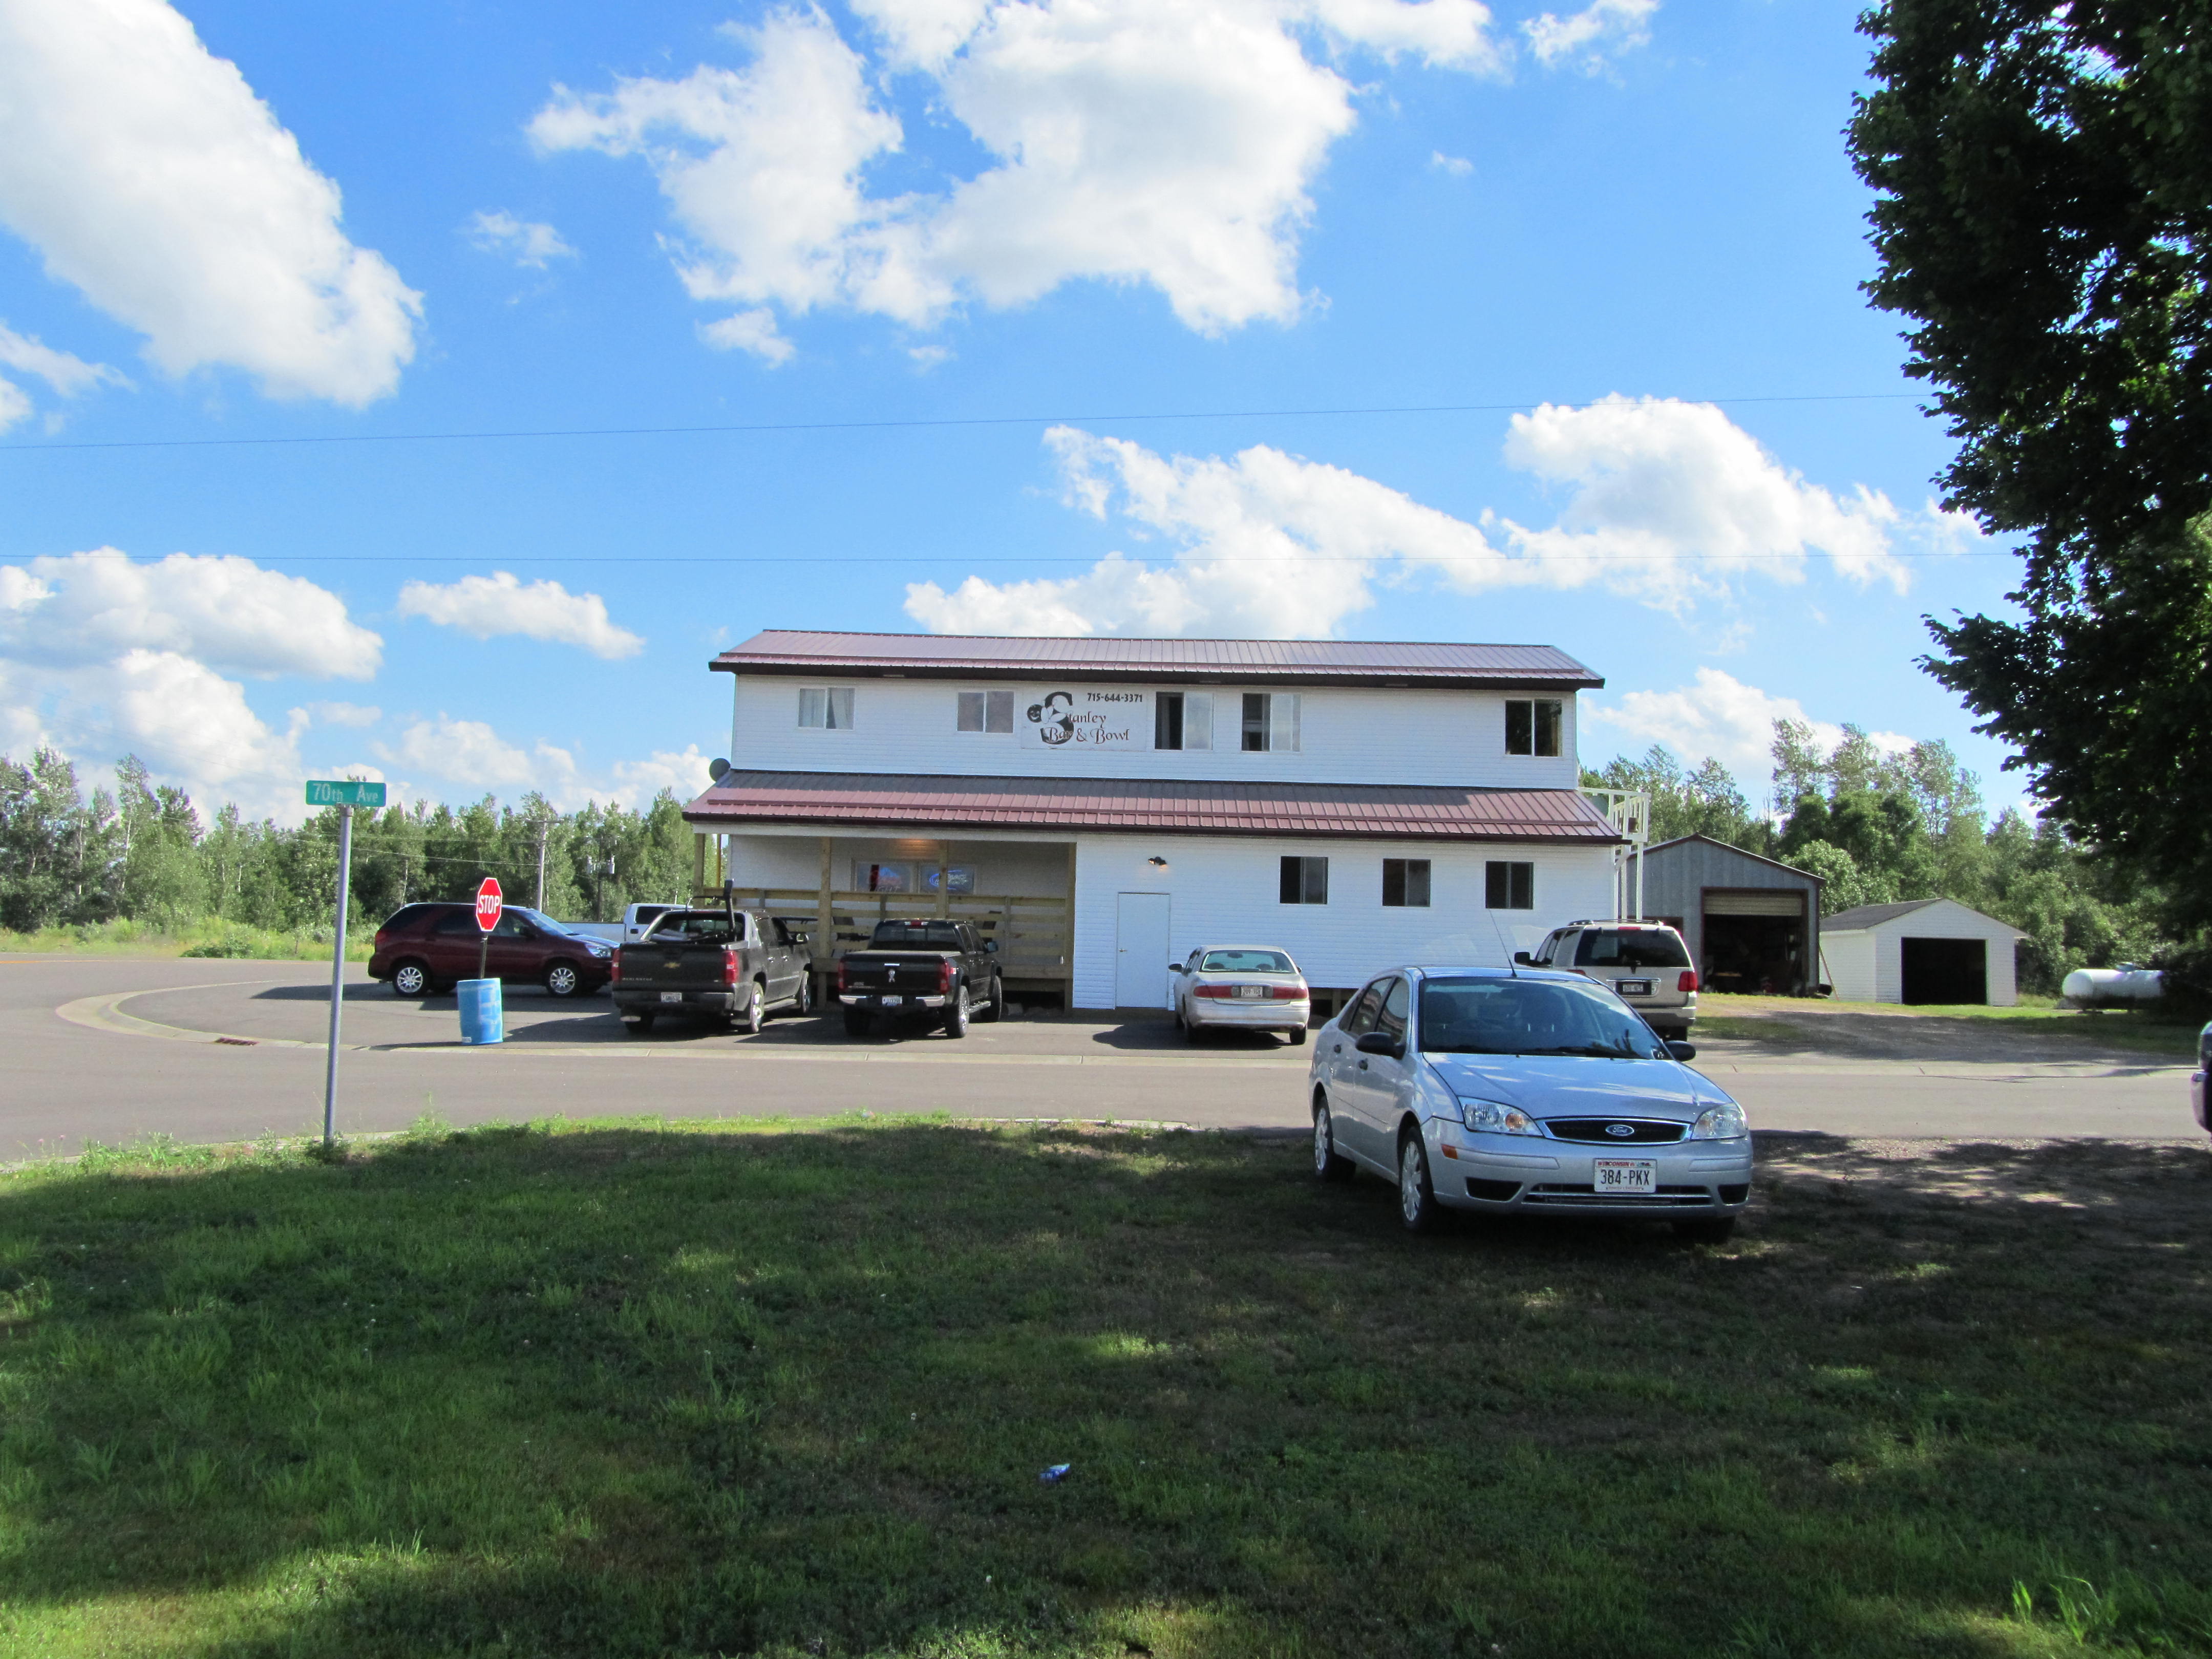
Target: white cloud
pixel 344 714
pixel 471 753
pixel 1670 498
pixel 68 375
pixel 529 243
pixel 1587 39
pixel 223 610
pixel 1171 143
pixel 101 656
pixel 191 726
pixel 150 177
pixel 1948 532
pixel 1670 501
pixel 500 604
pixel 1458 166
pixel 1719 716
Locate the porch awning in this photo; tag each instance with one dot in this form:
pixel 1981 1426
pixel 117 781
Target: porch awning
pixel 911 803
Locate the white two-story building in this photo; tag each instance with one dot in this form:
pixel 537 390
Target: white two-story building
pixel 1103 805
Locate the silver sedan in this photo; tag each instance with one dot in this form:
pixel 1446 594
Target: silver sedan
pixel 1527 1092
pixel 1251 987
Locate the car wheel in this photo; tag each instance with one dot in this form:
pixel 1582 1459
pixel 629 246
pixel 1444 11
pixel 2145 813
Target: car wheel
pixel 410 979
pixel 1417 1199
pixel 857 1022
pixel 803 1003
pixel 1715 1231
pixel 1297 1036
pixel 561 980
pixel 637 1025
pixel 748 1019
pixel 1329 1163
pixel 996 1009
pixel 1189 1026
pixel 956 1023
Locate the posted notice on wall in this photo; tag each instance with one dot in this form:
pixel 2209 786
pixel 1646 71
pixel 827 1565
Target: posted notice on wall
pixel 1083 723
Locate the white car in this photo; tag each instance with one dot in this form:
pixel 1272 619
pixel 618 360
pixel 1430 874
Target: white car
pixel 1246 987
pixel 1524 1093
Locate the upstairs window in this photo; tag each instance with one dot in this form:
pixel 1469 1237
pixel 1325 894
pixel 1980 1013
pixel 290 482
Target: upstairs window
pixel 987 711
pixel 1270 721
pixel 1182 720
pixel 1509 886
pixel 826 707
pixel 1406 883
pixel 1305 881
pixel 1531 727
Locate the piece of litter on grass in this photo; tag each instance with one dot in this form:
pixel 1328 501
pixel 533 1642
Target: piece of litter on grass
pixel 1056 1474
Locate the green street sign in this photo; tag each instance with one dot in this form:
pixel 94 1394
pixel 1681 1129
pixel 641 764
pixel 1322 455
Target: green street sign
pixel 343 792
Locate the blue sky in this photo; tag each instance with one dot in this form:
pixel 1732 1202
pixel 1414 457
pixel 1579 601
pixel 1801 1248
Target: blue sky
pixel 1028 293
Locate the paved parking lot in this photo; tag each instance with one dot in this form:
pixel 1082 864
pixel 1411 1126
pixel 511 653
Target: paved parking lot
pixel 107 1049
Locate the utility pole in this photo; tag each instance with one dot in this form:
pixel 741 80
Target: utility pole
pixel 545 826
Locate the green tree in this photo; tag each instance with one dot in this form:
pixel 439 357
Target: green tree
pixel 2044 218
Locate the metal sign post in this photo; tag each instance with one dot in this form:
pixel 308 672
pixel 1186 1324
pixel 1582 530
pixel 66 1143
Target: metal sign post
pixel 345 795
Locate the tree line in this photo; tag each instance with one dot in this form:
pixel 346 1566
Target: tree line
pixel 143 852
pixel 1878 826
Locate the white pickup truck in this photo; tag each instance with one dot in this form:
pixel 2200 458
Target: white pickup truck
pixel 636 921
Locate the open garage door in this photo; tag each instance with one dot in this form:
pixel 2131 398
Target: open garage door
pixel 1945 969
pixel 1753 942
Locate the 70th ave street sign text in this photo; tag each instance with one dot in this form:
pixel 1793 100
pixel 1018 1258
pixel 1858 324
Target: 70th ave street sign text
pixel 343 792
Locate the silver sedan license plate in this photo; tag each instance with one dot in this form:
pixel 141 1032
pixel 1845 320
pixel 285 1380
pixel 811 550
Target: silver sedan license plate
pixel 1250 992
pixel 1635 987
pixel 671 996
pixel 1625 1174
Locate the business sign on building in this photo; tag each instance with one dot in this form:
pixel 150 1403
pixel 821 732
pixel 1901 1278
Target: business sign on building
pixel 1084 721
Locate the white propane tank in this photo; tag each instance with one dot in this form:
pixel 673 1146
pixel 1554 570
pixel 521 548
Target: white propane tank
pixel 2087 987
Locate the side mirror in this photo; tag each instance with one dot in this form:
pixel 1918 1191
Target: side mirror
pixel 1380 1042
pixel 1522 959
pixel 990 947
pixel 1175 967
pixel 1683 1050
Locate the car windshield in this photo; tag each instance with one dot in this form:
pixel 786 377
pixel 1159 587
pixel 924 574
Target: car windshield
pixel 1631 947
pixel 911 935
pixel 1246 961
pixel 541 921
pixel 1530 1017
pixel 697 928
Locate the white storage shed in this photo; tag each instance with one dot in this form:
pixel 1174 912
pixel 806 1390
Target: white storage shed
pixel 1923 951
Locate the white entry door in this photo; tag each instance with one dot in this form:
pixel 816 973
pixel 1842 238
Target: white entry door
pixel 1141 960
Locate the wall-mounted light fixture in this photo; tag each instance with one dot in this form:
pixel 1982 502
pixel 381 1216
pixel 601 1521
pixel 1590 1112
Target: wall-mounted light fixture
pixel 1156 862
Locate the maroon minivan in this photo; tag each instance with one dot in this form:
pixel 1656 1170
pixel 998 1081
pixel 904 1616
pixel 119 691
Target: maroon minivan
pixel 424 949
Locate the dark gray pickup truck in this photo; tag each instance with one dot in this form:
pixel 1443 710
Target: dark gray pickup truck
pixel 728 966
pixel 942 971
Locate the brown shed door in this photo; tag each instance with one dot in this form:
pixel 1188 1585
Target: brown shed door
pixel 1946 970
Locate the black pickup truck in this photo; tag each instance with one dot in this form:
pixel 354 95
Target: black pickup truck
pixel 725 966
pixel 940 970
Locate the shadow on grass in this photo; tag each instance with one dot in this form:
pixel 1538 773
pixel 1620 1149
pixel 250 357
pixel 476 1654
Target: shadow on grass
pixel 625 1390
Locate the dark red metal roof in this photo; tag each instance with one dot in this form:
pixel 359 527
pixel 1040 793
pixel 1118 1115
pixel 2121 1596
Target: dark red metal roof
pixel 1307 662
pixel 907 801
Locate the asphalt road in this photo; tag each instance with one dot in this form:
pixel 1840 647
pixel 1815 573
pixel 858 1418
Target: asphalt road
pixel 110 1048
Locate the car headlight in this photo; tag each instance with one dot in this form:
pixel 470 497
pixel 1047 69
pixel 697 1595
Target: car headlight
pixel 1720 1123
pixel 1494 1117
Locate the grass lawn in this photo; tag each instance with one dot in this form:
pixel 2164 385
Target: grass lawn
pixel 1796 1020
pixel 635 1389
pixel 202 939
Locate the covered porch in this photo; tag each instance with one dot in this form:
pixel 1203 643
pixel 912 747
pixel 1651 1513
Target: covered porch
pixel 835 888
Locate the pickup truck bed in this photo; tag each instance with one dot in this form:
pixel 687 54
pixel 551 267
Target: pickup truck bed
pixel 940 972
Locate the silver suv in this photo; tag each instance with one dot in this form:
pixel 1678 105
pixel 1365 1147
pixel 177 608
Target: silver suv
pixel 1644 964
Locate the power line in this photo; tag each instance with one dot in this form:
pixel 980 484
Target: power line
pixel 1508 560
pixel 762 428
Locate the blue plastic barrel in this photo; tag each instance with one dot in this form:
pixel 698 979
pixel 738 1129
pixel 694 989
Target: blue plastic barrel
pixel 483 1016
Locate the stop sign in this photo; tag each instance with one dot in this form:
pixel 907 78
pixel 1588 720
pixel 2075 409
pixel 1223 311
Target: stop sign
pixel 488 903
